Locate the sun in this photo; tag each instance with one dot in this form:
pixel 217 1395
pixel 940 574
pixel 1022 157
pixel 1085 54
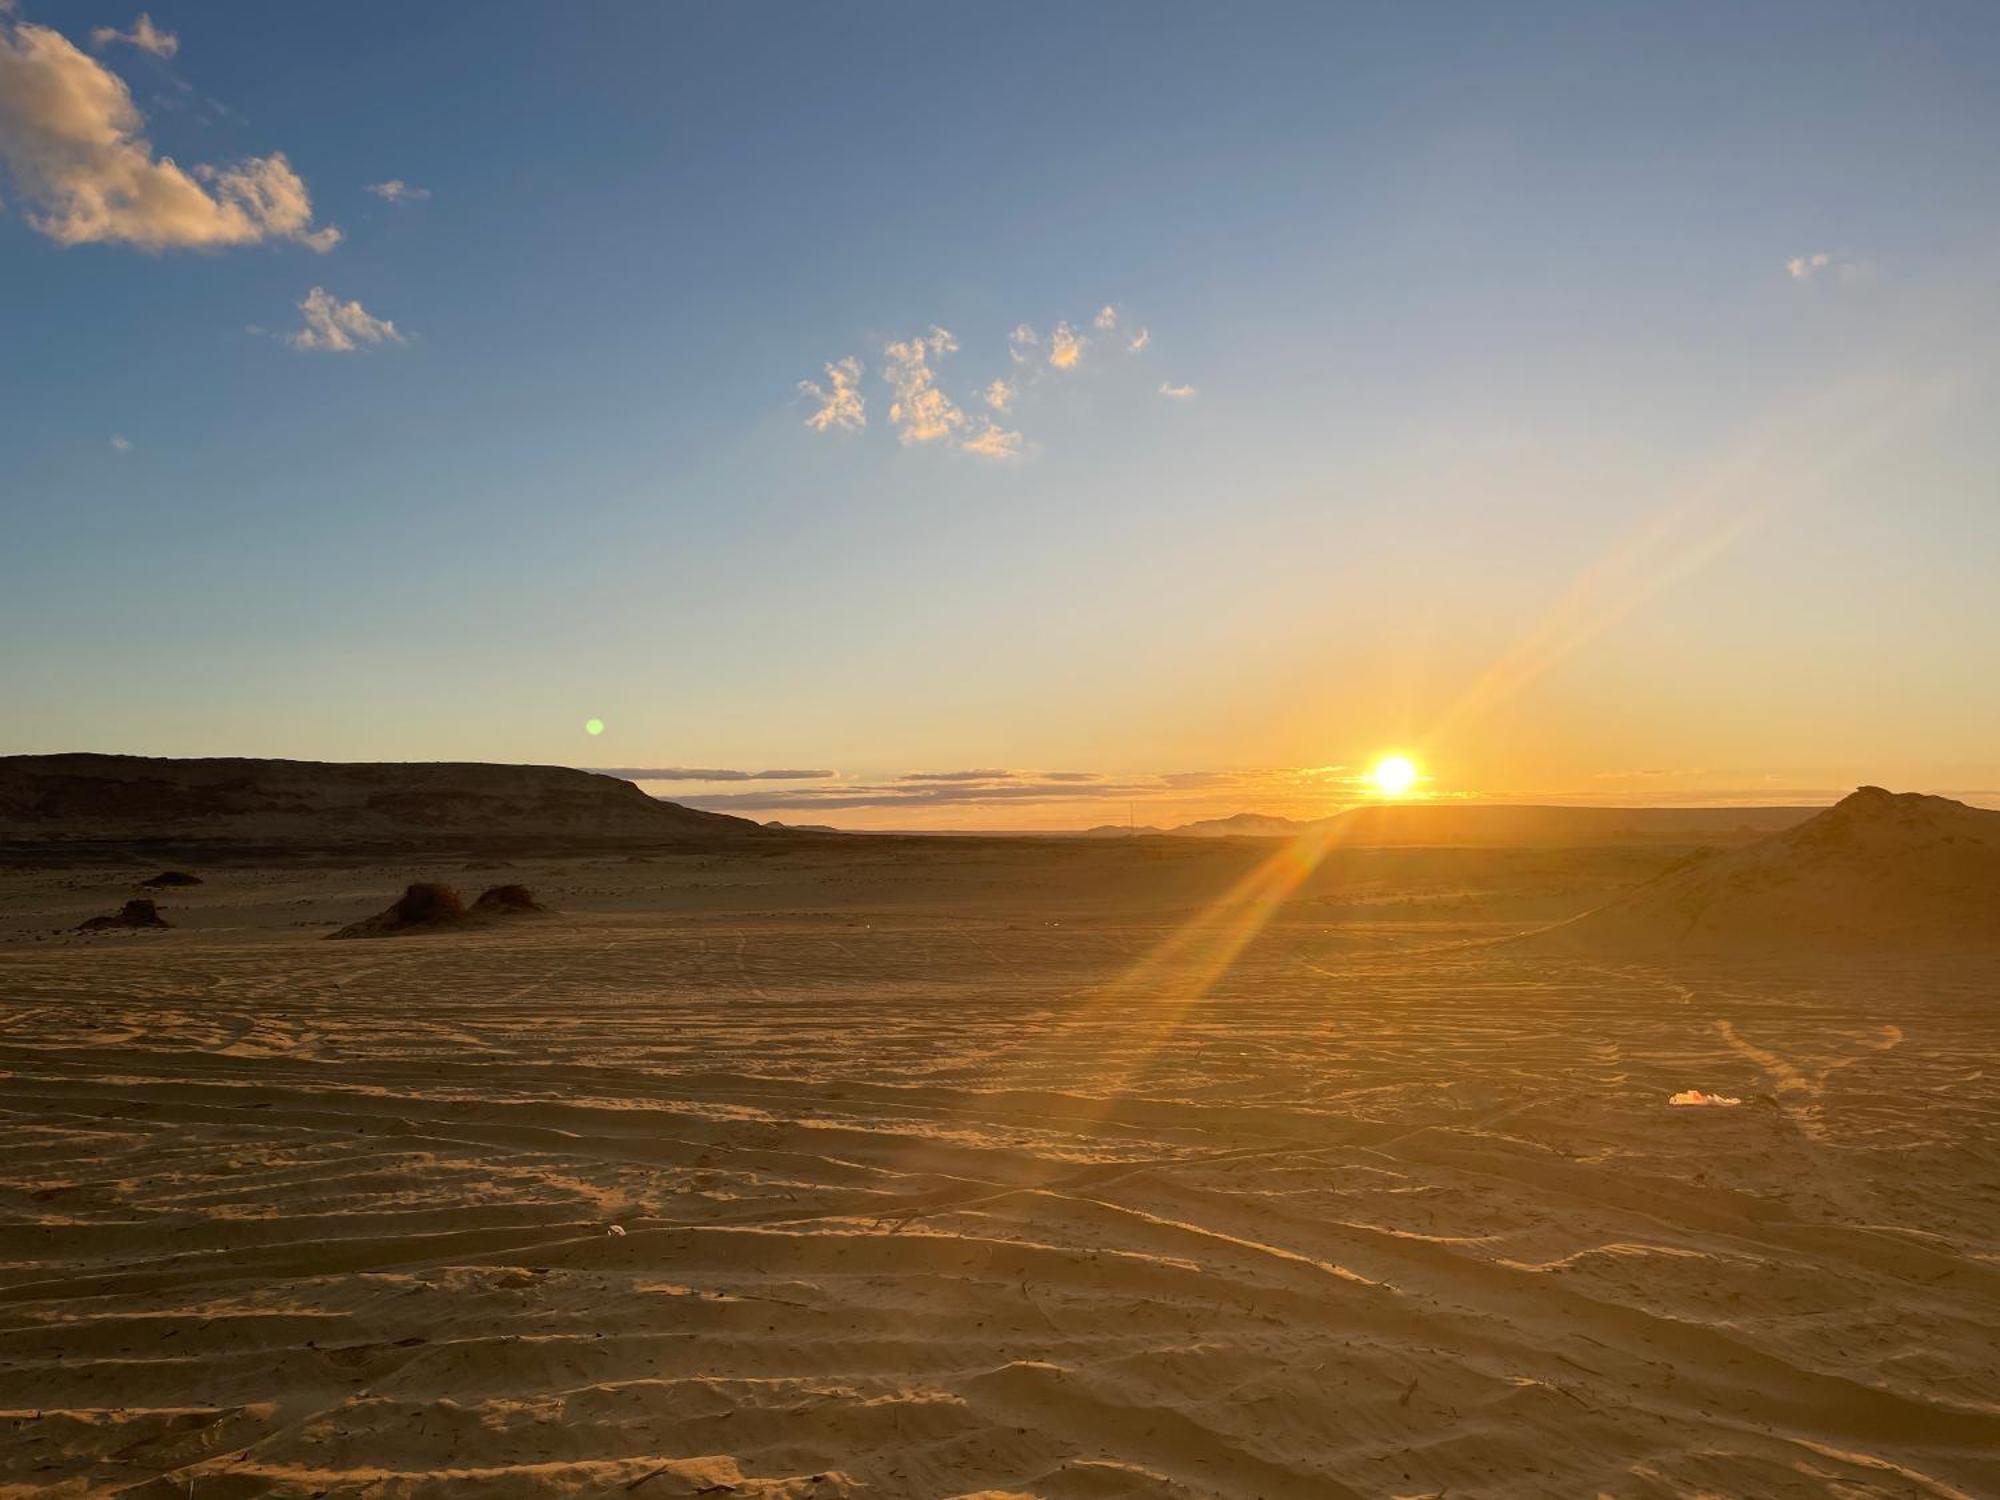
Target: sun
pixel 1394 775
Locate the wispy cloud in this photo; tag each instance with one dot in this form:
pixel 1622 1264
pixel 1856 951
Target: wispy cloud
pixel 901 795
pixel 1140 340
pixel 144 35
pixel 74 145
pixel 922 413
pixel 1844 270
pixel 121 442
pixel 993 441
pixel 338 327
pixel 1066 347
pixel 395 190
pixel 1177 392
pixel 841 404
pixel 1311 790
pixel 700 773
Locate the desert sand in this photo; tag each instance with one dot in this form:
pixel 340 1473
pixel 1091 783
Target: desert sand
pixel 981 1167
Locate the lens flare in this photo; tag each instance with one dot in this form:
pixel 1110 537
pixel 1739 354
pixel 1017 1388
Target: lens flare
pixel 593 726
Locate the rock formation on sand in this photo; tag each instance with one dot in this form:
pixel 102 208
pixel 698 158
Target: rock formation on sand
pixel 1877 871
pixel 80 801
pixel 424 907
pixel 431 907
pixel 170 878
pixel 507 901
pixel 138 913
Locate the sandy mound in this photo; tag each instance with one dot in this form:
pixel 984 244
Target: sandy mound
pixel 132 914
pixel 1877 870
pixel 170 878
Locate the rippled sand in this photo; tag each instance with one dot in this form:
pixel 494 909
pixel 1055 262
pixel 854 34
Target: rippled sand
pixel 731 1179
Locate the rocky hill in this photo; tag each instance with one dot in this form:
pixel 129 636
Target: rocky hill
pixel 80 801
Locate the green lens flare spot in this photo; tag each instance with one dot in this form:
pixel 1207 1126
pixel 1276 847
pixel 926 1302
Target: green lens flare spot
pixel 593 726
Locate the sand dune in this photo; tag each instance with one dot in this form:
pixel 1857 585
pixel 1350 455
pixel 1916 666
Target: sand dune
pixel 1878 870
pixel 921 1196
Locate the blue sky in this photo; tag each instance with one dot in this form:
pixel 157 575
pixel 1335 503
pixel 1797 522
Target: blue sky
pixel 1590 400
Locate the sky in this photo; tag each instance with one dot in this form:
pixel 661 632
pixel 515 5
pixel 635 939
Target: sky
pixel 1010 417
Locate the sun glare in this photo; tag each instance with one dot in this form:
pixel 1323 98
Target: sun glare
pixel 1394 775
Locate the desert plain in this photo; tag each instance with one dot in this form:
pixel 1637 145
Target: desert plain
pixel 954 1167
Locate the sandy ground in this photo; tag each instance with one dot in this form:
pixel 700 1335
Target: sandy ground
pixel 980 1170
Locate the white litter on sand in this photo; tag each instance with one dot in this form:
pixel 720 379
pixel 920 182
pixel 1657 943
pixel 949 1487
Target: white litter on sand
pixel 1696 1096
pixel 619 1229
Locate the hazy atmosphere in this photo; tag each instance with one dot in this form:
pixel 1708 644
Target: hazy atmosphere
pixel 1591 401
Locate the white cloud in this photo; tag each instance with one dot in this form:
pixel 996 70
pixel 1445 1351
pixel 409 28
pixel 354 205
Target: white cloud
pixel 1066 347
pixel 921 411
pixel 1106 319
pixel 840 404
pixel 1845 270
pixel 1140 340
pixel 1177 392
pixel 121 442
pixel 993 442
pixel 999 395
pixel 74 145
pixel 340 327
pixel 1022 342
pixel 395 190
pixel 144 35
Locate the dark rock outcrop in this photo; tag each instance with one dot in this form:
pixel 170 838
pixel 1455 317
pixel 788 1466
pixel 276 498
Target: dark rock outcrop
pixel 507 901
pixel 136 913
pixel 426 906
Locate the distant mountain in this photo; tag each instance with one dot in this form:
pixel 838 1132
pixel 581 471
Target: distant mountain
pixel 1449 824
pixel 1241 826
pixel 81 800
pixel 1878 870
pixel 1120 831
pixel 1390 824
pixel 802 827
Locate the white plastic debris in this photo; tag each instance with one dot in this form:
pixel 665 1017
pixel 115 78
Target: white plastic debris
pixel 619 1229
pixel 1696 1096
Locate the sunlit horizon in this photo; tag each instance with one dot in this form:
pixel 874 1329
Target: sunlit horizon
pixel 1512 419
